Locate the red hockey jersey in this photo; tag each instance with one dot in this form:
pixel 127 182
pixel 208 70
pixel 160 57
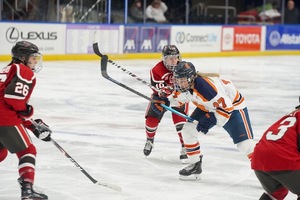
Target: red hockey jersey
pixel 278 149
pixel 161 77
pixel 16 85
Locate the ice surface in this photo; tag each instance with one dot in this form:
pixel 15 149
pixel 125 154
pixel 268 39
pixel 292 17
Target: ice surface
pixel 101 125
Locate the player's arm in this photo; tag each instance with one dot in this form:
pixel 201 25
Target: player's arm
pixel 177 99
pixel 156 79
pixel 18 90
pixel 299 142
pixel 298 126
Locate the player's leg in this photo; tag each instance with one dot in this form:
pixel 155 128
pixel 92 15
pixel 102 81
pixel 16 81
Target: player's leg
pixel 192 146
pixel 179 123
pixel 266 196
pixel 17 140
pixel 151 124
pixel 289 179
pixel 240 130
pixel 274 189
pixel 3 152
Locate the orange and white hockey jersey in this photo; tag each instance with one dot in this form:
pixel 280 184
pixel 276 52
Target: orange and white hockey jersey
pixel 211 94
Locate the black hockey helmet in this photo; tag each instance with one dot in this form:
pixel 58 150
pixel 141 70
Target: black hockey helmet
pixel 169 52
pixel 184 70
pixel 22 50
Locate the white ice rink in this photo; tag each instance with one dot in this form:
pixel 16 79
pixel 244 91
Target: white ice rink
pixel 101 125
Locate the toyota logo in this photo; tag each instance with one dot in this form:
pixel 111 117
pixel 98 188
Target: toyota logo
pixel 227 38
pixel 180 37
pixel 12 35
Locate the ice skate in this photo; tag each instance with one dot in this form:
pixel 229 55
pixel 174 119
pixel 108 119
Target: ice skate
pixel 27 192
pixel 192 171
pixel 183 157
pixel 148 146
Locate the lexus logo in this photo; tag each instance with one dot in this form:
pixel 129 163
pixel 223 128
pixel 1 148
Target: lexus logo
pixel 180 37
pixel 12 35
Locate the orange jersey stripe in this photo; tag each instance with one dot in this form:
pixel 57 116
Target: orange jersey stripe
pixel 191 146
pixel 246 124
pixel 193 153
pixel 224 114
pixel 211 84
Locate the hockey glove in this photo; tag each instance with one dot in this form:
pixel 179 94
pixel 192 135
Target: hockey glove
pixel 41 130
pixel 206 122
pixel 27 113
pixel 165 91
pixel 156 104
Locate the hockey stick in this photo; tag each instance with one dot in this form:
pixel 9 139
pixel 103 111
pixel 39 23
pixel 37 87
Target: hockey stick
pixel 95 46
pixel 104 61
pixel 114 187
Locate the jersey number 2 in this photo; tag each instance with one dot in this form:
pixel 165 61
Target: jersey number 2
pixel 284 125
pixel 21 89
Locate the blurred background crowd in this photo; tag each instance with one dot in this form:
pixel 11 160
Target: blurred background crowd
pixel 152 11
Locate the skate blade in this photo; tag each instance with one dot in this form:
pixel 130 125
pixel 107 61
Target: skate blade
pixel 193 177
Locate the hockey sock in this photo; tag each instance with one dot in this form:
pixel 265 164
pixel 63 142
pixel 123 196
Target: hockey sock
pixel 27 163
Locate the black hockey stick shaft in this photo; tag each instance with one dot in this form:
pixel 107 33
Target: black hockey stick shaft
pixel 114 187
pixel 73 161
pixel 104 61
pixel 67 155
pixel 95 46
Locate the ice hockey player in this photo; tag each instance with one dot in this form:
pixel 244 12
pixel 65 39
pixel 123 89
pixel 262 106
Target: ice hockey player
pixel 17 81
pixel 276 158
pixel 161 76
pixel 217 102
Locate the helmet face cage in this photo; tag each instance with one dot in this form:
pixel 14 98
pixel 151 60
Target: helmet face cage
pixel 170 56
pixel 35 62
pixel 23 51
pixel 184 74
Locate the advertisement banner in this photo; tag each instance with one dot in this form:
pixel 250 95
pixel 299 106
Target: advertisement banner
pixel 50 38
pixel 80 38
pixel 241 38
pixel 145 38
pixel 283 37
pixel 196 38
pixel 131 41
pixel 163 37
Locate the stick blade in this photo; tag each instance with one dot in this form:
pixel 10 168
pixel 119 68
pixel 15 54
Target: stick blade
pixel 96 49
pixel 111 186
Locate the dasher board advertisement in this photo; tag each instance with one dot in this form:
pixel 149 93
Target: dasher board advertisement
pixel 241 38
pixel 80 38
pixel 191 39
pixel 145 39
pixel 50 38
pixel 283 37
